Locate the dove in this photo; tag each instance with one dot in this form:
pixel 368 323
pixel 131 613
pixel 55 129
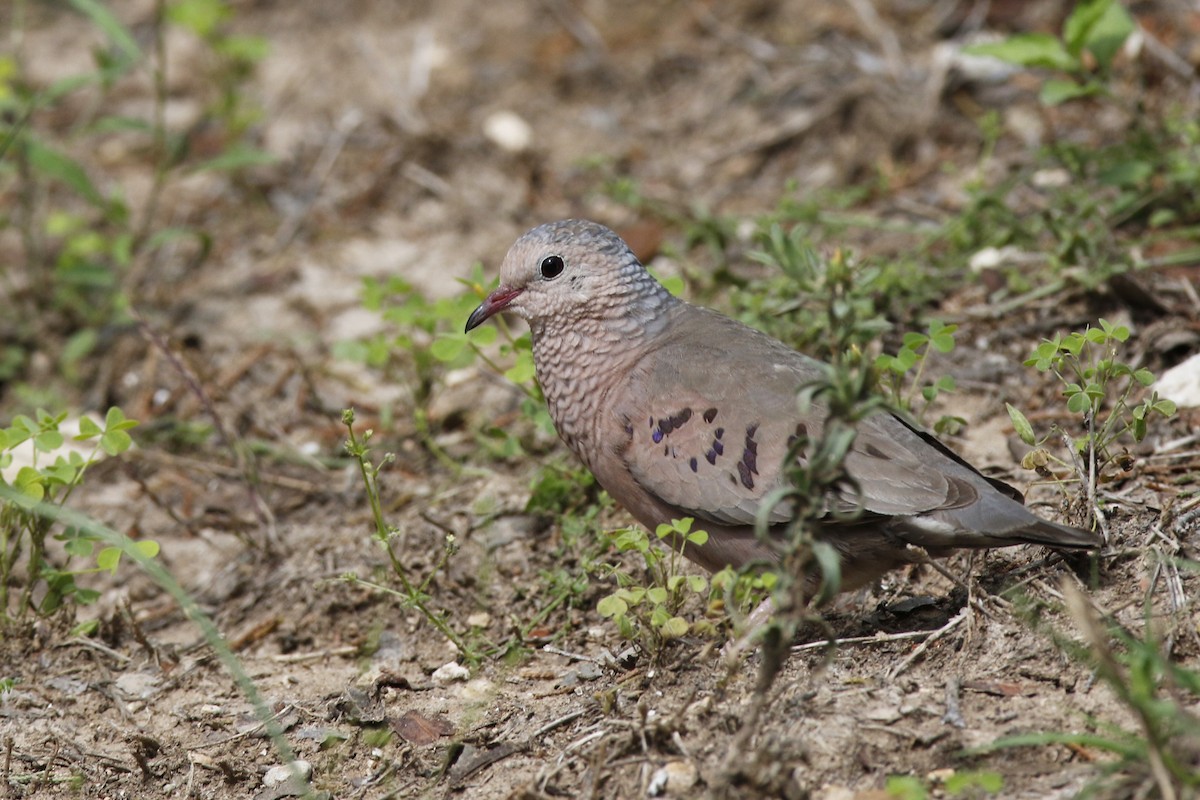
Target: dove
pixel 681 412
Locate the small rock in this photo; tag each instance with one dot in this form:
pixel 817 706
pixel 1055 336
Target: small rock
pixel 995 257
pixel 480 619
pixel 698 709
pixel 1026 124
pixel 589 671
pixel 674 778
pixel 508 131
pixel 1181 383
pixel 137 685
pixel 450 672
pixel 281 773
pixel 1051 178
pixel 391 653
pixel 478 690
pixel 511 528
pixel 628 658
pixel 884 714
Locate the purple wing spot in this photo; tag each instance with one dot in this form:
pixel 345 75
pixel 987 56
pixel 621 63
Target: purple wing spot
pixel 692 463
pixel 872 450
pixel 657 436
pixel 751 461
pixel 719 433
pixel 711 456
pixel 719 447
pixel 744 473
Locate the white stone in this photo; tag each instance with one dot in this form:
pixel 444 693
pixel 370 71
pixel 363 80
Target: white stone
pixel 281 773
pixel 673 778
pixel 450 672
pixel 1181 383
pixel 508 131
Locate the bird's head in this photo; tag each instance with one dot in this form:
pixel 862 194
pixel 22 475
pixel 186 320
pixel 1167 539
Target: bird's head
pixel 568 270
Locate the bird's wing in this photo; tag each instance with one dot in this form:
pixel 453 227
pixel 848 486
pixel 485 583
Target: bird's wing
pixel 710 413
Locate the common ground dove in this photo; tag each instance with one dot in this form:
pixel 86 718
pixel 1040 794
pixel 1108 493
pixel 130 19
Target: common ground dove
pixel 681 412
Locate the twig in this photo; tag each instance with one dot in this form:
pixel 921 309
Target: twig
pixel 884 36
pixel 241 455
pixel 320 173
pixel 565 719
pixel 1168 57
pixel 998 310
pixel 162 155
pixel 251 731
pixel 1175 444
pixel 795 124
pixel 549 648
pixel 579 27
pixel 224 470
pixel 296 658
pixel 82 641
pixel 878 638
pixel 957 620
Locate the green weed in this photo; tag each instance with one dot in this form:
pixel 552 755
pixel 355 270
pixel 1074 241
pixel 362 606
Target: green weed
pixel 807 290
pixel 86 253
pixel 1147 178
pixel 47 586
pixel 669 604
pixel 414 591
pixel 651 614
pixel 1083 53
pixel 969 783
pixel 901 375
pixel 1102 393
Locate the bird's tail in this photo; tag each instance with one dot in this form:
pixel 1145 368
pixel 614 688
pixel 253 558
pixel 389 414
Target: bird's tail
pixel 1052 534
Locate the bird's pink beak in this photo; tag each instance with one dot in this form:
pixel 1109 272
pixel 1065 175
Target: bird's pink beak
pixel 493 304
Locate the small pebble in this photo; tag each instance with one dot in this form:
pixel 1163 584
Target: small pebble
pixel 508 131
pixel 281 773
pixel 673 778
pixel 450 672
pixel 478 690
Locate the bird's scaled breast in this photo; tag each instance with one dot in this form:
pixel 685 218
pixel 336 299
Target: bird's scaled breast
pixel 577 377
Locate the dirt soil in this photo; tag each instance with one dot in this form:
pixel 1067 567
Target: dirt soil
pixel 414 139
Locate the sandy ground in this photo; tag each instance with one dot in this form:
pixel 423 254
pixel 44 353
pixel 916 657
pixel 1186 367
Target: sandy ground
pixel 413 140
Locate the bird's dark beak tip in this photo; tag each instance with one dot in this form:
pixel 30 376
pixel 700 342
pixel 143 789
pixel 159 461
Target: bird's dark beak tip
pixel 477 317
pixel 493 304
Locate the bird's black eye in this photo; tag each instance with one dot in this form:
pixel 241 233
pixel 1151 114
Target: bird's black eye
pixel 552 267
